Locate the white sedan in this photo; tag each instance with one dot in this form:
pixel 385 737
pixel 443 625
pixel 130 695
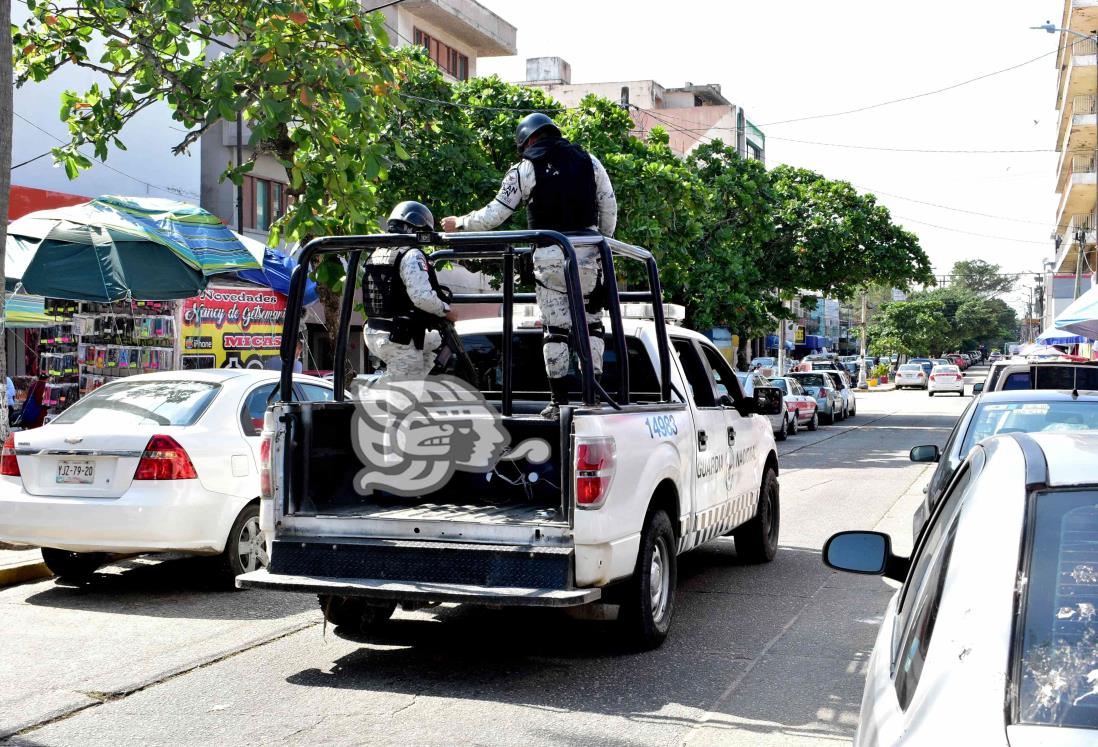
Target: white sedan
pixel 946 379
pixel 157 462
pixel 910 375
pixel 993 638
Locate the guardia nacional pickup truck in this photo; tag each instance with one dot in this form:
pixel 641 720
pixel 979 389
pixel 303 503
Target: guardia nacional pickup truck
pixel 661 454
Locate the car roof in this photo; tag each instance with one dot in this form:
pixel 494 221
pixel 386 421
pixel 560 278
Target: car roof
pixel 1070 457
pixel 221 375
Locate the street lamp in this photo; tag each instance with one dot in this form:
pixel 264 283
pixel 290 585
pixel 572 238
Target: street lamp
pixel 1051 28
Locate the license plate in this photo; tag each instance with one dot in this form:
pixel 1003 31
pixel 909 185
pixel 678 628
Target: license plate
pixel 76 473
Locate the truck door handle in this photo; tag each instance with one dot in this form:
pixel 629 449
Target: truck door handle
pixel 702 440
pixel 731 436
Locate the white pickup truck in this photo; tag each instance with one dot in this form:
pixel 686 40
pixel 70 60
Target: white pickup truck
pixel 663 454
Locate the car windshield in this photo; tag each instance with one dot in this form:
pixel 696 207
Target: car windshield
pixel 993 418
pixel 910 367
pixel 780 384
pixel 946 369
pixel 131 403
pixel 1058 683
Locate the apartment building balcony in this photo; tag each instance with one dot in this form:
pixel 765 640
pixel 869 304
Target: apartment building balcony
pixel 1076 186
pixel 1078 126
pixel 1077 237
pixel 1078 67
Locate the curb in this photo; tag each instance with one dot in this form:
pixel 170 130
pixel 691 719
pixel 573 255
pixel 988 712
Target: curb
pixel 23 572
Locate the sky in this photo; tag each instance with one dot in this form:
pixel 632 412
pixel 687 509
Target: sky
pixel 801 58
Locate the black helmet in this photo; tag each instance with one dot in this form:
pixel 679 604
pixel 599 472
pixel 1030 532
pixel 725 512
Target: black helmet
pixel 410 217
pixel 530 124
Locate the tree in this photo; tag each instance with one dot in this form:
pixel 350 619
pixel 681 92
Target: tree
pixel 940 321
pixel 314 81
pixel 982 277
pixel 914 327
pixel 5 185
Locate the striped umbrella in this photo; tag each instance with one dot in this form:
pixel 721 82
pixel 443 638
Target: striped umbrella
pixel 113 248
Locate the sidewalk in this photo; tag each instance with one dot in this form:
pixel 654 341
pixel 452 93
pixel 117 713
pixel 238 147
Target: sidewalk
pixel 19 564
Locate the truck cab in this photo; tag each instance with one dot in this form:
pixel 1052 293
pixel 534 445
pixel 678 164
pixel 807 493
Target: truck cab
pixel 659 455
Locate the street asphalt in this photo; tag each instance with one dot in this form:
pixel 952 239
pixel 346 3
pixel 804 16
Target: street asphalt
pixel 151 654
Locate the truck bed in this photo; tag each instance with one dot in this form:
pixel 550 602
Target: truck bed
pixel 505 513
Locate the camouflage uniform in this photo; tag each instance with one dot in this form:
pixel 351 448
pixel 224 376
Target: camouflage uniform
pixel 552 299
pixel 408 360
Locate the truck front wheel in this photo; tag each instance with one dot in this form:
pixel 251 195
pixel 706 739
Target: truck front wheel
pixel 648 599
pixel 355 615
pixel 757 540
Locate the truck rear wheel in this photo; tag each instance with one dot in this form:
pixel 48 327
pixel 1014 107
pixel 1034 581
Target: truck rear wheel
pixel 648 599
pixel 356 615
pixel 757 540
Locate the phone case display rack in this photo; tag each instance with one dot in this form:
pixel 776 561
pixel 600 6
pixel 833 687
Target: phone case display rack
pixel 95 343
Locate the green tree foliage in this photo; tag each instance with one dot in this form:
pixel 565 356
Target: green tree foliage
pixel 982 277
pixel 941 320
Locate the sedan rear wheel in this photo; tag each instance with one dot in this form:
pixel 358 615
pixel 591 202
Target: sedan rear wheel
pixel 245 549
pixel 814 423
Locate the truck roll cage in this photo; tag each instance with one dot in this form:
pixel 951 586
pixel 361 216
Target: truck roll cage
pixel 482 245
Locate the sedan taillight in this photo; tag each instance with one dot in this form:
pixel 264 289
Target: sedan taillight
pixel 9 463
pixel 164 459
pixel 265 466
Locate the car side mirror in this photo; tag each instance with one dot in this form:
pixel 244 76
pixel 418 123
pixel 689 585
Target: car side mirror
pixel 726 401
pixel 978 388
pixel 928 453
pixel 866 553
pixel 768 400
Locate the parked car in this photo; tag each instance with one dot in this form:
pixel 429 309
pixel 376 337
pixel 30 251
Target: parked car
pixel 780 422
pixel 991 639
pixel 996 355
pixel 800 404
pixel 1052 374
pixel 945 379
pixel 924 363
pixel 911 376
pixel 819 386
pixel 1001 412
pixel 846 392
pixel 167 461
pixel 942 362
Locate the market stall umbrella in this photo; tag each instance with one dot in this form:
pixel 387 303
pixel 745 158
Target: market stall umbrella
pixel 1081 317
pixel 1059 336
pixel 114 248
pixel 276 271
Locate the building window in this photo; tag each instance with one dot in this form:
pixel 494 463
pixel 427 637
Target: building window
pixel 265 201
pixel 449 59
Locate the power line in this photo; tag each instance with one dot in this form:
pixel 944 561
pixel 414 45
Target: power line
pixel 171 190
pixel 31 160
pixel 953 209
pixel 970 233
pixel 921 95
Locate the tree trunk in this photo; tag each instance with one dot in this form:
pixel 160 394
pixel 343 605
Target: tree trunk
pixel 6 95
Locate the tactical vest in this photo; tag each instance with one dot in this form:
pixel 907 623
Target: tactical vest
pixel 564 196
pixel 383 293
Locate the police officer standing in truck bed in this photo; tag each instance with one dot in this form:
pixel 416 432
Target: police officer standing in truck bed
pixel 565 189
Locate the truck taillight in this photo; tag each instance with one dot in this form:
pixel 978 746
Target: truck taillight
pixel 9 464
pixel 595 460
pixel 265 466
pixel 164 459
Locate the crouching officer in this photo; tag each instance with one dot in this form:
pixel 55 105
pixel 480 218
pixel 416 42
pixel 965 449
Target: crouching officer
pixel 565 189
pixel 404 302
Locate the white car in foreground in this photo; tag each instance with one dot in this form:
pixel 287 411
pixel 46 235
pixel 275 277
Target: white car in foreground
pixel 946 379
pixel 993 638
pixel 156 462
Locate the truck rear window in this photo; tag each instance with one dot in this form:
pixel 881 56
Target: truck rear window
pixel 528 372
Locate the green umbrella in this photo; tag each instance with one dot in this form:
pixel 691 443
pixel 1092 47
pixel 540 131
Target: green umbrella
pixel 114 248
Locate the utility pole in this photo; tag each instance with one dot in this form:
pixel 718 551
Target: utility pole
pixel 862 383
pixel 781 342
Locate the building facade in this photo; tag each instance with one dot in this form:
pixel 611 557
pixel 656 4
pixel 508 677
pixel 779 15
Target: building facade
pixel 691 114
pixel 1073 269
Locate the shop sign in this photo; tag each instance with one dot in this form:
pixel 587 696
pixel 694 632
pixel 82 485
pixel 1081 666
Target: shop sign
pixel 232 328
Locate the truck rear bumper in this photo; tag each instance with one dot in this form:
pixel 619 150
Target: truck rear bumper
pixel 408 591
